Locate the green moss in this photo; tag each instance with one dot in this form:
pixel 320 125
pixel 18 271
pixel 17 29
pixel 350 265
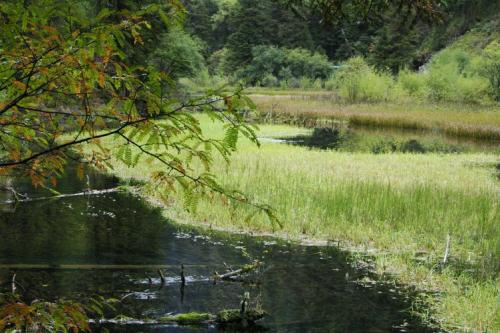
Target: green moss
pixel 232 316
pixel 191 318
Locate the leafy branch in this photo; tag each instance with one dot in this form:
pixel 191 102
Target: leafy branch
pixel 68 88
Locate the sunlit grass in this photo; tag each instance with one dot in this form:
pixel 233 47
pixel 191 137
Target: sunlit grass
pixel 401 205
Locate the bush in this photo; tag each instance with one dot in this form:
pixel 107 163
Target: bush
pixel 470 90
pixel 452 76
pixel 413 84
pixel 270 81
pixel 358 82
pixel 440 82
pixel 218 62
pixel 490 68
pixel 455 76
pixel 294 83
pixel 376 87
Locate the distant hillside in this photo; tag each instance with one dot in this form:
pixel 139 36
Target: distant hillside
pixel 478 38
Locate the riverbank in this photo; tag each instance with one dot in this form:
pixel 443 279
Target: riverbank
pixel 398 207
pixel 304 108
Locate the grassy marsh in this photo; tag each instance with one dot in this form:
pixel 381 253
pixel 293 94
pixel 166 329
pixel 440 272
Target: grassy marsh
pixel 399 207
pixel 308 109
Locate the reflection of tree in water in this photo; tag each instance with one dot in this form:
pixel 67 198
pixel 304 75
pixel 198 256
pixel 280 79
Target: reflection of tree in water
pixel 322 138
pixel 352 140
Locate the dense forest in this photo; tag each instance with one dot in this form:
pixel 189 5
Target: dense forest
pixel 388 40
pixel 272 44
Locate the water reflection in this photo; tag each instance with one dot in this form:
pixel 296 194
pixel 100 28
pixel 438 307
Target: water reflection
pixel 379 141
pixel 116 239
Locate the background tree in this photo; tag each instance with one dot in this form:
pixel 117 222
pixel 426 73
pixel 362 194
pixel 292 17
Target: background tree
pixel 67 80
pixel 178 54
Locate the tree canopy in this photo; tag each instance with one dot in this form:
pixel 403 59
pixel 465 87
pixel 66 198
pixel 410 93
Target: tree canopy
pixel 68 80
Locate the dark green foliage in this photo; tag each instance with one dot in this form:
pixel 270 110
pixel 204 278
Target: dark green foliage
pixel 238 26
pixel 253 26
pixel 390 34
pixel 178 54
pixel 270 64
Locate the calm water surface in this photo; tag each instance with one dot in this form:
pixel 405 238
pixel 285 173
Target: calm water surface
pixel 304 289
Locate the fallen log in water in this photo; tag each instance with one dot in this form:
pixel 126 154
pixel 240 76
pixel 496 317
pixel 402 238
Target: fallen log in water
pixel 229 317
pixel 236 318
pixel 232 317
pixel 60 196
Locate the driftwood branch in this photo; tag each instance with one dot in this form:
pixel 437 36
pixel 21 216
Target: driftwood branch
pixel 60 196
pixel 236 273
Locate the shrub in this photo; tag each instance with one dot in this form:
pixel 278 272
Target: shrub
pixel 270 81
pixel 490 68
pixel 440 81
pixel 203 81
pixel 470 90
pixel 358 82
pixel 376 87
pixel 317 84
pixel 218 62
pixel 294 83
pixel 413 84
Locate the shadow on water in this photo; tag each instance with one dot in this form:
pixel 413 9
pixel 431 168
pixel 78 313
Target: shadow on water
pixel 304 289
pixel 379 141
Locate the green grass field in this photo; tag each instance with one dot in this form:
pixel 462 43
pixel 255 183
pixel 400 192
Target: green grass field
pixel 399 207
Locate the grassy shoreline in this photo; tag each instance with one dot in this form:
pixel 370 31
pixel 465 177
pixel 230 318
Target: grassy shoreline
pixel 399 207
pixel 310 109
